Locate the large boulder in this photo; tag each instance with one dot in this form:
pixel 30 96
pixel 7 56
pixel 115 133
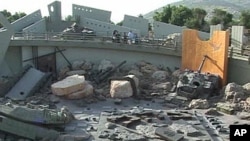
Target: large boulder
pixel 88 90
pixel 122 88
pixel 68 85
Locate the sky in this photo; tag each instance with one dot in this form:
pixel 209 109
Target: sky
pixel 118 7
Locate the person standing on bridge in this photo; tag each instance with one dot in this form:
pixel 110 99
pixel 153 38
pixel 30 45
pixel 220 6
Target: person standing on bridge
pixel 130 37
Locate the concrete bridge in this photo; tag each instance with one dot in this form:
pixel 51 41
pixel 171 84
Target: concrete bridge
pixel 38 48
pixel 28 49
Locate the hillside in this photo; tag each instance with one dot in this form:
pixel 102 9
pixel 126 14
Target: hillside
pixel 231 6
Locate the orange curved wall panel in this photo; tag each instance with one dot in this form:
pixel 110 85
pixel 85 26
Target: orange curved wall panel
pixel 216 48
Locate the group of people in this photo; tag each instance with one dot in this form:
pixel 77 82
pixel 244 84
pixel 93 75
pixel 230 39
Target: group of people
pixel 128 38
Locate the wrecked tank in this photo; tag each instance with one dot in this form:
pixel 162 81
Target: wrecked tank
pixel 194 84
pixel 25 130
pixel 36 114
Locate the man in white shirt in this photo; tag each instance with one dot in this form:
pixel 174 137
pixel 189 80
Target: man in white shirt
pixel 130 37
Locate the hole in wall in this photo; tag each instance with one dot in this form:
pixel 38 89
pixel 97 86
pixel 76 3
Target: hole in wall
pixel 52 8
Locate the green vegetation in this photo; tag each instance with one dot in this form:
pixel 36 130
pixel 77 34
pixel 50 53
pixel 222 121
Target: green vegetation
pixel 245 18
pixel 195 18
pixel 12 17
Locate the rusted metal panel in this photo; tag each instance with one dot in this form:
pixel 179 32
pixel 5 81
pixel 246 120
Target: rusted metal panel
pixel 216 49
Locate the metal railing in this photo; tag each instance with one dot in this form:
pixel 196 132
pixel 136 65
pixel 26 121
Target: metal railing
pixel 101 37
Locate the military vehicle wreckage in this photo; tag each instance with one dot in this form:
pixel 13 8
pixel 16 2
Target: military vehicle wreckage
pixel 38 121
pixel 193 84
pixel 36 114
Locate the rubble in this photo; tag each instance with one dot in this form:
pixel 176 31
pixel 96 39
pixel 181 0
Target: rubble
pixel 146 67
pixel 105 65
pixel 145 86
pixel 76 65
pixel 213 112
pixel 234 92
pixel 183 127
pixel 248 100
pixel 246 87
pixel 76 72
pixel 244 115
pixel 226 108
pixel 165 86
pixel 177 73
pixel 199 104
pixel 62 72
pixel 137 73
pixel 160 75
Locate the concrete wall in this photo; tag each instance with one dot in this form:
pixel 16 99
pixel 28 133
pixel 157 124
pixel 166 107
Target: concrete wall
pixel 95 52
pixel 38 27
pixel 26 21
pixel 12 62
pixel 55 11
pixel 238 71
pixel 215 28
pixel 89 12
pixel 162 30
pixel 131 57
pixel 57 26
pixel 104 28
pixel 137 23
pixel 5 34
pixel 237 38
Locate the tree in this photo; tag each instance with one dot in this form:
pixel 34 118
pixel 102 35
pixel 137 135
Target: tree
pixel 120 23
pixel 180 15
pixel 11 18
pixel 193 23
pixel 69 18
pixel 221 17
pixel 245 18
pixel 140 16
pixel 197 21
pixel 165 15
pixel 199 14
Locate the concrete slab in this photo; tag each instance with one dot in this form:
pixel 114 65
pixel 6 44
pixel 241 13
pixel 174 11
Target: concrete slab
pixel 26 85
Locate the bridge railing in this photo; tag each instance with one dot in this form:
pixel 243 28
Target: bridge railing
pixel 100 37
